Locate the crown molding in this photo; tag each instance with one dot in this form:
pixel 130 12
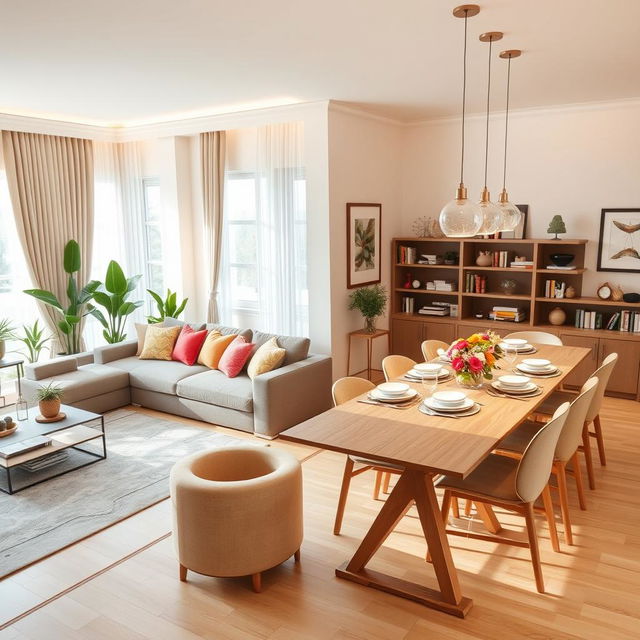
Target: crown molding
pixel 27 124
pixel 341 107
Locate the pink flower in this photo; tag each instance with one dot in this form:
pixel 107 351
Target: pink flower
pixel 457 364
pixel 462 344
pixel 475 364
pixel 486 336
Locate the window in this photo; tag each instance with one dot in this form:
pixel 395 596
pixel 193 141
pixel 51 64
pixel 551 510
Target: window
pixel 152 222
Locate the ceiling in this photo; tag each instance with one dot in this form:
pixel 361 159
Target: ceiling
pixel 125 62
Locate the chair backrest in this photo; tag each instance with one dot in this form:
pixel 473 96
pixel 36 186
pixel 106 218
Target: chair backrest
pixel 396 366
pixel 345 389
pixel 603 372
pixel 537 337
pixel 430 348
pixel 571 435
pixel 535 466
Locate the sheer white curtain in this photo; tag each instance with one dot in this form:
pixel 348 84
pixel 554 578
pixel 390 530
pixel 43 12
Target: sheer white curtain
pixel 264 270
pixel 118 220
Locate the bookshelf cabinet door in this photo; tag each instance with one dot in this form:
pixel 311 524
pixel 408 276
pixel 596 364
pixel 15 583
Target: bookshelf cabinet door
pixel 406 338
pixel 439 331
pixel 624 378
pixel 582 372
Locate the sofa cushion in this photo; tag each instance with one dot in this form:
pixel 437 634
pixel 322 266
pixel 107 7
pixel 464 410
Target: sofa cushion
pixel 213 348
pixel 127 364
pixel 297 348
pixel 89 381
pixel 55 367
pixel 141 332
pixel 159 343
pixel 188 345
pixel 174 322
pixel 227 331
pixel 213 387
pixel 267 358
pixel 162 376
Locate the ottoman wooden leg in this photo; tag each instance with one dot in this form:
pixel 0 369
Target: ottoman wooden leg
pixel 296 556
pixel 256 581
pixel 183 574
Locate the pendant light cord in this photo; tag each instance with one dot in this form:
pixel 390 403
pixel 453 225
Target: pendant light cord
pixel 486 145
pixel 506 126
pixel 464 93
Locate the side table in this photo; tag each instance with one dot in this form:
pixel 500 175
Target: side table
pixel 4 363
pixel 369 337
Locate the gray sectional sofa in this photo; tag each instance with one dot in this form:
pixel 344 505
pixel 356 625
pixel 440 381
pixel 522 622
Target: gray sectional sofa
pixel 113 376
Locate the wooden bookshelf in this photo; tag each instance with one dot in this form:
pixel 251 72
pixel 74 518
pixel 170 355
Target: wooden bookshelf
pixel 408 330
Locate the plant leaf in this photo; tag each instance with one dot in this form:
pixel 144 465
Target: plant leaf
pixel 44 296
pixel 180 309
pixel 103 299
pixel 132 283
pixel 65 327
pixel 72 257
pixel 97 314
pixel 115 282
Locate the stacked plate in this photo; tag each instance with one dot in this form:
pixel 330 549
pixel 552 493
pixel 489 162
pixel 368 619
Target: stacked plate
pixel 515 386
pixel 450 402
pixel 428 371
pixel 537 367
pixel 518 344
pixel 392 392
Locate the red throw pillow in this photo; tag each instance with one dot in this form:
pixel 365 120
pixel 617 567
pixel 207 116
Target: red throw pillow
pixel 235 356
pixel 188 345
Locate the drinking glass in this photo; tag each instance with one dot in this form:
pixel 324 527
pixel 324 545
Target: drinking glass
pixel 429 384
pixel 510 355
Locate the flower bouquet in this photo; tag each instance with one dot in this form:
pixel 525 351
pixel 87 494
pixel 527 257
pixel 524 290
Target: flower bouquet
pixel 474 358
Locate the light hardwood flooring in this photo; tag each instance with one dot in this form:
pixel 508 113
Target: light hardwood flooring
pixel 123 582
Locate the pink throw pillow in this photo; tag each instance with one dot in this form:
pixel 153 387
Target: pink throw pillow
pixel 235 357
pixel 188 345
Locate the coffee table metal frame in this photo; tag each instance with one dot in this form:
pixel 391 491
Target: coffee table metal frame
pixel 96 457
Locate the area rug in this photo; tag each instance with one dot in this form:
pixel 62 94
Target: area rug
pixel 141 450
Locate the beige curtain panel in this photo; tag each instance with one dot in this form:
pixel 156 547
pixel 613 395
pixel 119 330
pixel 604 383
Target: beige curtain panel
pixel 212 159
pixel 50 181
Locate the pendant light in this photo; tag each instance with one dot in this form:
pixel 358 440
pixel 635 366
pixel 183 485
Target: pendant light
pixel 461 218
pixel 511 215
pixel 491 213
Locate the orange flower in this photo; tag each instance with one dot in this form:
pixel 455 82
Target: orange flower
pixel 490 358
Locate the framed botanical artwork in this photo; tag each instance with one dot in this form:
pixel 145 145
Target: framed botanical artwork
pixel 363 243
pixel 619 240
pixel 520 231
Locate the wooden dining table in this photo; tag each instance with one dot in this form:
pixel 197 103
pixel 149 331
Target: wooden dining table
pixel 425 446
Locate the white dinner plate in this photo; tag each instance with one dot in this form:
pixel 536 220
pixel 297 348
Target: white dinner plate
pixel 539 371
pixel 374 394
pixel 436 406
pixel 527 348
pixel 417 375
pixel 528 388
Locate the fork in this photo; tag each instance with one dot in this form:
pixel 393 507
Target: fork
pixel 498 394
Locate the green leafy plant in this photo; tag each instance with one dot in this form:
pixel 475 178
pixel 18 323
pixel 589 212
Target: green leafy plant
pixel 167 308
pixel 112 296
pixel 71 316
pixel 34 340
pixel 6 329
pixel 50 391
pixel 370 302
pixel 557 226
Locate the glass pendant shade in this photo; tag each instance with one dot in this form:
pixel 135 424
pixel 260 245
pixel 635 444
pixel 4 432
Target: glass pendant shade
pixel 511 215
pixel 461 218
pixel 491 215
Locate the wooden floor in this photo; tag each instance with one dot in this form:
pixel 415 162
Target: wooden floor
pixel 123 582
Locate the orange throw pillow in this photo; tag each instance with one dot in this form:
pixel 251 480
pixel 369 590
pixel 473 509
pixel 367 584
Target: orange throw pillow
pixel 213 348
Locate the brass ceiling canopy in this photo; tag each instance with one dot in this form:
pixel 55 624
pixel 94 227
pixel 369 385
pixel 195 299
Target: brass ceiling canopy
pixel 491 36
pixel 466 11
pixel 510 53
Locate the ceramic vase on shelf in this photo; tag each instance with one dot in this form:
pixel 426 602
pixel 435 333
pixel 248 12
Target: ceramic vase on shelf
pixel 570 292
pixel 470 380
pixel 557 316
pixel 484 259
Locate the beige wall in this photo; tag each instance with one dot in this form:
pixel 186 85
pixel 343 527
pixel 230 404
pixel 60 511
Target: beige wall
pixel 364 166
pixel 572 161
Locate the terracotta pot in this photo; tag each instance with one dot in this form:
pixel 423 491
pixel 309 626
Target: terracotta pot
pixel 49 408
pixel 484 259
pixel 2 349
pixel 557 316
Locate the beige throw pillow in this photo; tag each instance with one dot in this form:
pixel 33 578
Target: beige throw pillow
pixel 267 358
pixel 141 331
pixel 159 342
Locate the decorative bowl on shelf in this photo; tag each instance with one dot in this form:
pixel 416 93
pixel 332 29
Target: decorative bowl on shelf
pixel 508 286
pixel 561 259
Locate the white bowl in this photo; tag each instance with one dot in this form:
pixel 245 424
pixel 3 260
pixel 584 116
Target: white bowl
pixel 515 342
pixel 393 389
pixel 536 363
pixel 449 398
pixel 427 367
pixel 514 381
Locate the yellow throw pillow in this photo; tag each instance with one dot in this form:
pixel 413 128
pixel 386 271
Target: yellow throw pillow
pixel 159 342
pixel 267 358
pixel 141 331
pixel 213 348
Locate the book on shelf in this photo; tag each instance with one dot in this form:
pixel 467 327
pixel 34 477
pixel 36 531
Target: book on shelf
pixel 408 304
pixel 452 306
pixel 624 320
pixel 524 264
pixel 24 446
pixel 430 258
pixel 554 289
pixel 433 310
pixel 555 267
pixel 509 314
pixel 475 283
pixel 407 255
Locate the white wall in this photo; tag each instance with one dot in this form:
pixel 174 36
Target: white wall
pixel 571 161
pixel 364 166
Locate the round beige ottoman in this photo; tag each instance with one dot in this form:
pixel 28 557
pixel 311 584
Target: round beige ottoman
pixel 237 511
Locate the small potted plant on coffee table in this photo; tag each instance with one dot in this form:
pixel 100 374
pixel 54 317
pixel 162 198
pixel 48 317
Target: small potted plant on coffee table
pixel 49 397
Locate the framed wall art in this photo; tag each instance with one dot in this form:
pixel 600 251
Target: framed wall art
pixel 619 242
pixel 363 243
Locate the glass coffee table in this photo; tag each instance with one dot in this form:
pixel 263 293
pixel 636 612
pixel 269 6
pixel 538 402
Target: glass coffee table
pixel 83 444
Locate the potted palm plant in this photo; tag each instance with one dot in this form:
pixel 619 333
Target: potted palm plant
pixel 370 302
pixel 35 340
pixel 167 308
pixel 6 333
pixel 49 398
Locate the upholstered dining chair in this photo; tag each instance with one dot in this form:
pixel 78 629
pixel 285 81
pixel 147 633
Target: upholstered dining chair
pixel 603 373
pixel 515 485
pixel 396 366
pixel 430 348
pixel 342 391
pixel 537 337
pixel 566 450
